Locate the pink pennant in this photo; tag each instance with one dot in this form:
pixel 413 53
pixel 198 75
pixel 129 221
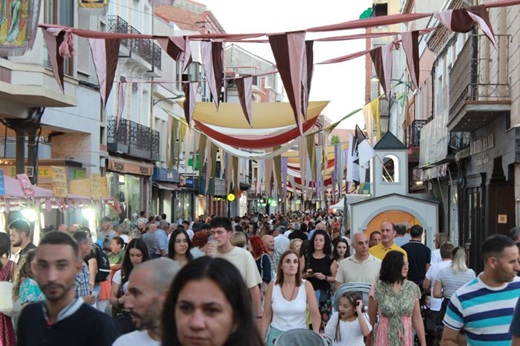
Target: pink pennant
pixel 289 54
pixel 212 62
pixel 410 41
pixel 245 94
pixel 105 53
pixel 178 48
pixel 382 59
pixel 60 44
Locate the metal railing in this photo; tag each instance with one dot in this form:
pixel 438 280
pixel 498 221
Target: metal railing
pixel 413 133
pixel 134 135
pixel 145 48
pixel 475 77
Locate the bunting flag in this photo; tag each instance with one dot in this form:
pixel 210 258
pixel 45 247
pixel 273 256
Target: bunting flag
pixel 303 154
pixel 60 44
pixel 352 160
pixel 209 165
pixel 382 59
pixel 105 53
pixel 289 54
pixel 182 133
pixel 268 176
pixel 229 171
pixel 190 94
pixel 410 42
pixel 236 175
pixel 308 70
pixel 284 175
pixel 213 158
pixel 338 161
pixel 372 116
pixel 319 167
pixel 173 125
pixel 464 19
pixel 245 94
pixel 178 48
pixel 277 161
pixel 312 154
pixel 213 64
pixel 202 153
pixel 364 149
pixel 259 176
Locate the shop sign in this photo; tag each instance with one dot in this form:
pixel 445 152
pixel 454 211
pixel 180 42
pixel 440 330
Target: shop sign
pixel 483 143
pixel 127 166
pixel 59 181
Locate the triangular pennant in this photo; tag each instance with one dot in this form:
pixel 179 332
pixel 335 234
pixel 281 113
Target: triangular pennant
pixel 410 41
pixel 289 54
pixel 121 98
pixel 105 53
pixel 382 59
pixel 173 46
pixel 245 94
pixel 54 38
pixel 307 76
pixel 190 94
pixel 212 63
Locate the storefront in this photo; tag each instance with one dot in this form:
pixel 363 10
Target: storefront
pixel 165 184
pixel 130 184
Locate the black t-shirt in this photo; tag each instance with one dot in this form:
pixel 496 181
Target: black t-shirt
pixel 24 251
pixel 321 265
pixel 86 327
pixel 419 255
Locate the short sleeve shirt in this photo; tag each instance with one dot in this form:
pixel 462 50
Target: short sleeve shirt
pixel 246 265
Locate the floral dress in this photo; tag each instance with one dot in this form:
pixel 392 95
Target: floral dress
pixel 7 335
pixel 30 292
pixel 395 313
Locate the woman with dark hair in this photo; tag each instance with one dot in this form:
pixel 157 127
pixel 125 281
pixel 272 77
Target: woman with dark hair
pixel 319 269
pixel 7 272
pixel 340 252
pixel 287 299
pixel 179 247
pixel 209 304
pixel 136 253
pixel 396 301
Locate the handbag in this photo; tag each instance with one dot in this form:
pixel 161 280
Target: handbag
pixel 6 303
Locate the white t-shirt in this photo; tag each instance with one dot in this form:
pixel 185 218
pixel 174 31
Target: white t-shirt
pixel 245 263
pixel 117 280
pixel 350 332
pixel 136 338
pixel 431 274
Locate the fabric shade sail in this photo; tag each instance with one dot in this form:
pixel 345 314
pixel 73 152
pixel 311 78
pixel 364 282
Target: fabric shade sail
pixel 264 115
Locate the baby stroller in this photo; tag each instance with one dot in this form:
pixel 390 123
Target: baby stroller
pixel 361 287
pixel 298 337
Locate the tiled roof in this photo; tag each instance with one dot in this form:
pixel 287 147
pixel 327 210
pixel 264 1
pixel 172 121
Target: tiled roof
pixel 183 18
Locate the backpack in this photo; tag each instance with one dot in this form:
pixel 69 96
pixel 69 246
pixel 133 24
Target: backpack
pixel 103 264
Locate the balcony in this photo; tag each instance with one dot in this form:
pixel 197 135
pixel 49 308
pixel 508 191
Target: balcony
pixel 413 133
pixel 145 49
pixel 479 85
pixel 133 139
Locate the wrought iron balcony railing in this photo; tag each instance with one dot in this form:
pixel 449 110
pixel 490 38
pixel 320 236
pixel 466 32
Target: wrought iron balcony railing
pixel 475 77
pixel 413 133
pixel 129 137
pixel 145 48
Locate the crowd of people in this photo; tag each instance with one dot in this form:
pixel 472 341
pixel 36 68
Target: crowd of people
pixel 249 280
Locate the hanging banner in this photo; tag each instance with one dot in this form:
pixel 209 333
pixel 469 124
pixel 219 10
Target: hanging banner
pixel 96 187
pixel 93 3
pixel 59 181
pixel 25 183
pixel 18 24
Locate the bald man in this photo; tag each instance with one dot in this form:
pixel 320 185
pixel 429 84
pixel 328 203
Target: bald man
pixel 387 242
pixel 148 287
pixel 274 256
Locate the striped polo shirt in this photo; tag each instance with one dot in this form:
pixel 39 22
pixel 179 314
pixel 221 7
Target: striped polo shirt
pixel 484 313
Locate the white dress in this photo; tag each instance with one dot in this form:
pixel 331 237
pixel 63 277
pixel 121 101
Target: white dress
pixel 350 332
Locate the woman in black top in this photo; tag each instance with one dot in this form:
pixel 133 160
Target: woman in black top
pixel 320 271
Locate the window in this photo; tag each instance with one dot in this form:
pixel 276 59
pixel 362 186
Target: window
pixel 62 13
pixel 390 169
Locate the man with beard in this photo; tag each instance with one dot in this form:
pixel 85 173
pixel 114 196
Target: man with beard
pixel 20 232
pixel 62 319
pixel 148 287
pixel 483 308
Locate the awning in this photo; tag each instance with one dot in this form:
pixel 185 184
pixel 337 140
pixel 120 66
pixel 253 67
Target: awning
pixel 166 186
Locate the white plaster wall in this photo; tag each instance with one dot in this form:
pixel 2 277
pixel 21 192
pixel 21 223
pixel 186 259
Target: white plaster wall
pixel 382 188
pixel 426 212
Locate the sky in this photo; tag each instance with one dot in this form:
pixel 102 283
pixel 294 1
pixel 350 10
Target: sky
pixel 343 83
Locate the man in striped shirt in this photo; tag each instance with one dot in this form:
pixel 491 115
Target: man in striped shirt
pixel 483 308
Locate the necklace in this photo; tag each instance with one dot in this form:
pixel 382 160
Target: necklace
pixel 291 297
